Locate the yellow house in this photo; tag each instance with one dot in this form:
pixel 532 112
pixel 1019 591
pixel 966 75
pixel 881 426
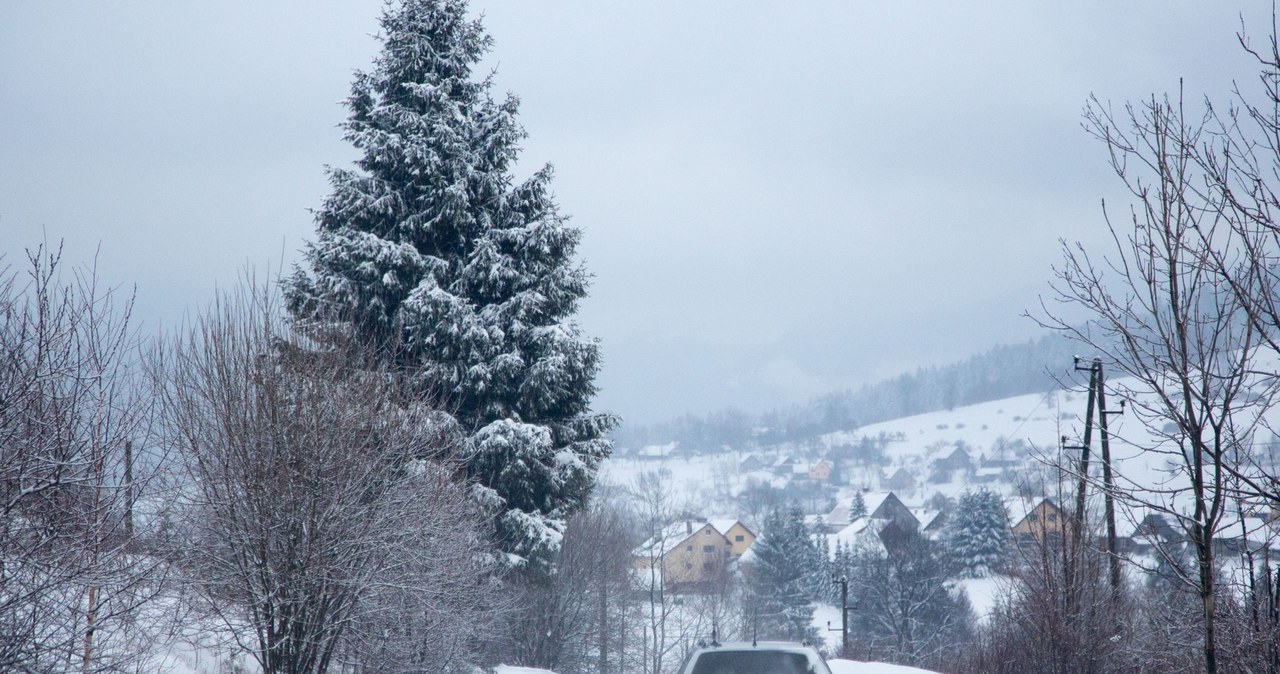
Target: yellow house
pixel 1045 520
pixel 736 534
pixel 692 553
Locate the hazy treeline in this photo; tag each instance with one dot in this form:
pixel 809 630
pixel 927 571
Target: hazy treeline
pixel 1006 370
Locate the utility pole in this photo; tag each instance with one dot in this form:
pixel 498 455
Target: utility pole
pixel 1108 497
pixel 1070 554
pixel 1078 517
pixel 843 582
pixel 1098 398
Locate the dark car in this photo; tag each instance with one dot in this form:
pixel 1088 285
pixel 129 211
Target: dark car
pixel 764 657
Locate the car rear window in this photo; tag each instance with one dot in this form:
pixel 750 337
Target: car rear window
pixel 752 662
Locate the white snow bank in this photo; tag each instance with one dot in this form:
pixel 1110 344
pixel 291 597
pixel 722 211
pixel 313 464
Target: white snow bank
pixel 512 669
pixel 853 667
pixel 984 592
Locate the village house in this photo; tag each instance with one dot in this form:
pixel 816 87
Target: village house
pixel 739 536
pixel 1042 521
pixel 784 466
pixel 657 452
pixel 820 471
pixel 902 480
pixel 956 460
pixel 692 554
pixel 750 463
pixel 883 506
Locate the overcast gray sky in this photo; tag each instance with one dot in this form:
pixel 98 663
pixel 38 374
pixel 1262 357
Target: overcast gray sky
pixel 778 200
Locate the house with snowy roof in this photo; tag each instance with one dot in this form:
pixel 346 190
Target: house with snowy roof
pixel 739 536
pixel 820 471
pixel 657 452
pixel 1040 522
pixel 867 532
pixel 902 480
pixel 989 474
pixel 931 521
pixel 861 533
pixel 691 554
pixel 881 506
pixel 958 459
pixel 749 463
pixel 1240 533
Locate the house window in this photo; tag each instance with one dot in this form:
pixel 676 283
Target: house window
pixel 706 566
pixel 689 548
pixel 1053 517
pixel 708 548
pixel 688 565
pixel 739 538
pixel 706 532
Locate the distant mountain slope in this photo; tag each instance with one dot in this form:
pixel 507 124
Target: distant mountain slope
pixel 1001 372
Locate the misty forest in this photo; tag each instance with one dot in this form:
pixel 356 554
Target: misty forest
pixel 387 453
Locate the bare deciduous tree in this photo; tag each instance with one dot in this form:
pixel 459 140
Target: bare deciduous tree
pixel 323 525
pixel 72 579
pixel 1158 310
pixel 572 623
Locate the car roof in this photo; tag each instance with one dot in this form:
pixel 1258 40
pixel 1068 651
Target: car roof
pixel 809 653
pixel 760 645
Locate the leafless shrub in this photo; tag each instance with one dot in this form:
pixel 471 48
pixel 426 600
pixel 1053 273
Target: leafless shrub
pixel 322 524
pixel 72 579
pixel 573 624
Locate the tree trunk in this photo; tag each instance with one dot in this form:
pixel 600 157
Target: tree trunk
pixel 1204 551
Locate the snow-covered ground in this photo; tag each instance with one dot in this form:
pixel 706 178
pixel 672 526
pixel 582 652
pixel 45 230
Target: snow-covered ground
pixel 855 667
pixel 512 669
pixel 983 593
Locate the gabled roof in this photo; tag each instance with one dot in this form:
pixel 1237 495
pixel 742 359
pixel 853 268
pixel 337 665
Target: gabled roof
pixel 925 516
pixel 862 531
pixel 675 534
pixel 1020 509
pixel 670 538
pixel 839 515
pixel 900 475
pixel 875 499
pixel 724 525
pixel 654 451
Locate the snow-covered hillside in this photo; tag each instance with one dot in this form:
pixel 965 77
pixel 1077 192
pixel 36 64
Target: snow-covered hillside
pixel 1012 446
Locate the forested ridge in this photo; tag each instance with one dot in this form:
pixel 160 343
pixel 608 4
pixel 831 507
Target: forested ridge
pixel 1003 371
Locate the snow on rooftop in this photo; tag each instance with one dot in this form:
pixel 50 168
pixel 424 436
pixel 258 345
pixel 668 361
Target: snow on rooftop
pixel 723 525
pixel 925 516
pixel 669 538
pixel 653 451
pixel 858 533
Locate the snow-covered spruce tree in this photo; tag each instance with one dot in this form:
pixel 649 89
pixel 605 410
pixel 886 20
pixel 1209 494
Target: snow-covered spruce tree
pixel 429 250
pixel 857 507
pixel 779 580
pixel 978 536
pixel 907 610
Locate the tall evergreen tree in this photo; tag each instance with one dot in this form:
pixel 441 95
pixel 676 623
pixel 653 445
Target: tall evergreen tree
pixel 907 607
pixel 785 558
pixel 857 507
pixel 429 249
pixel 978 536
